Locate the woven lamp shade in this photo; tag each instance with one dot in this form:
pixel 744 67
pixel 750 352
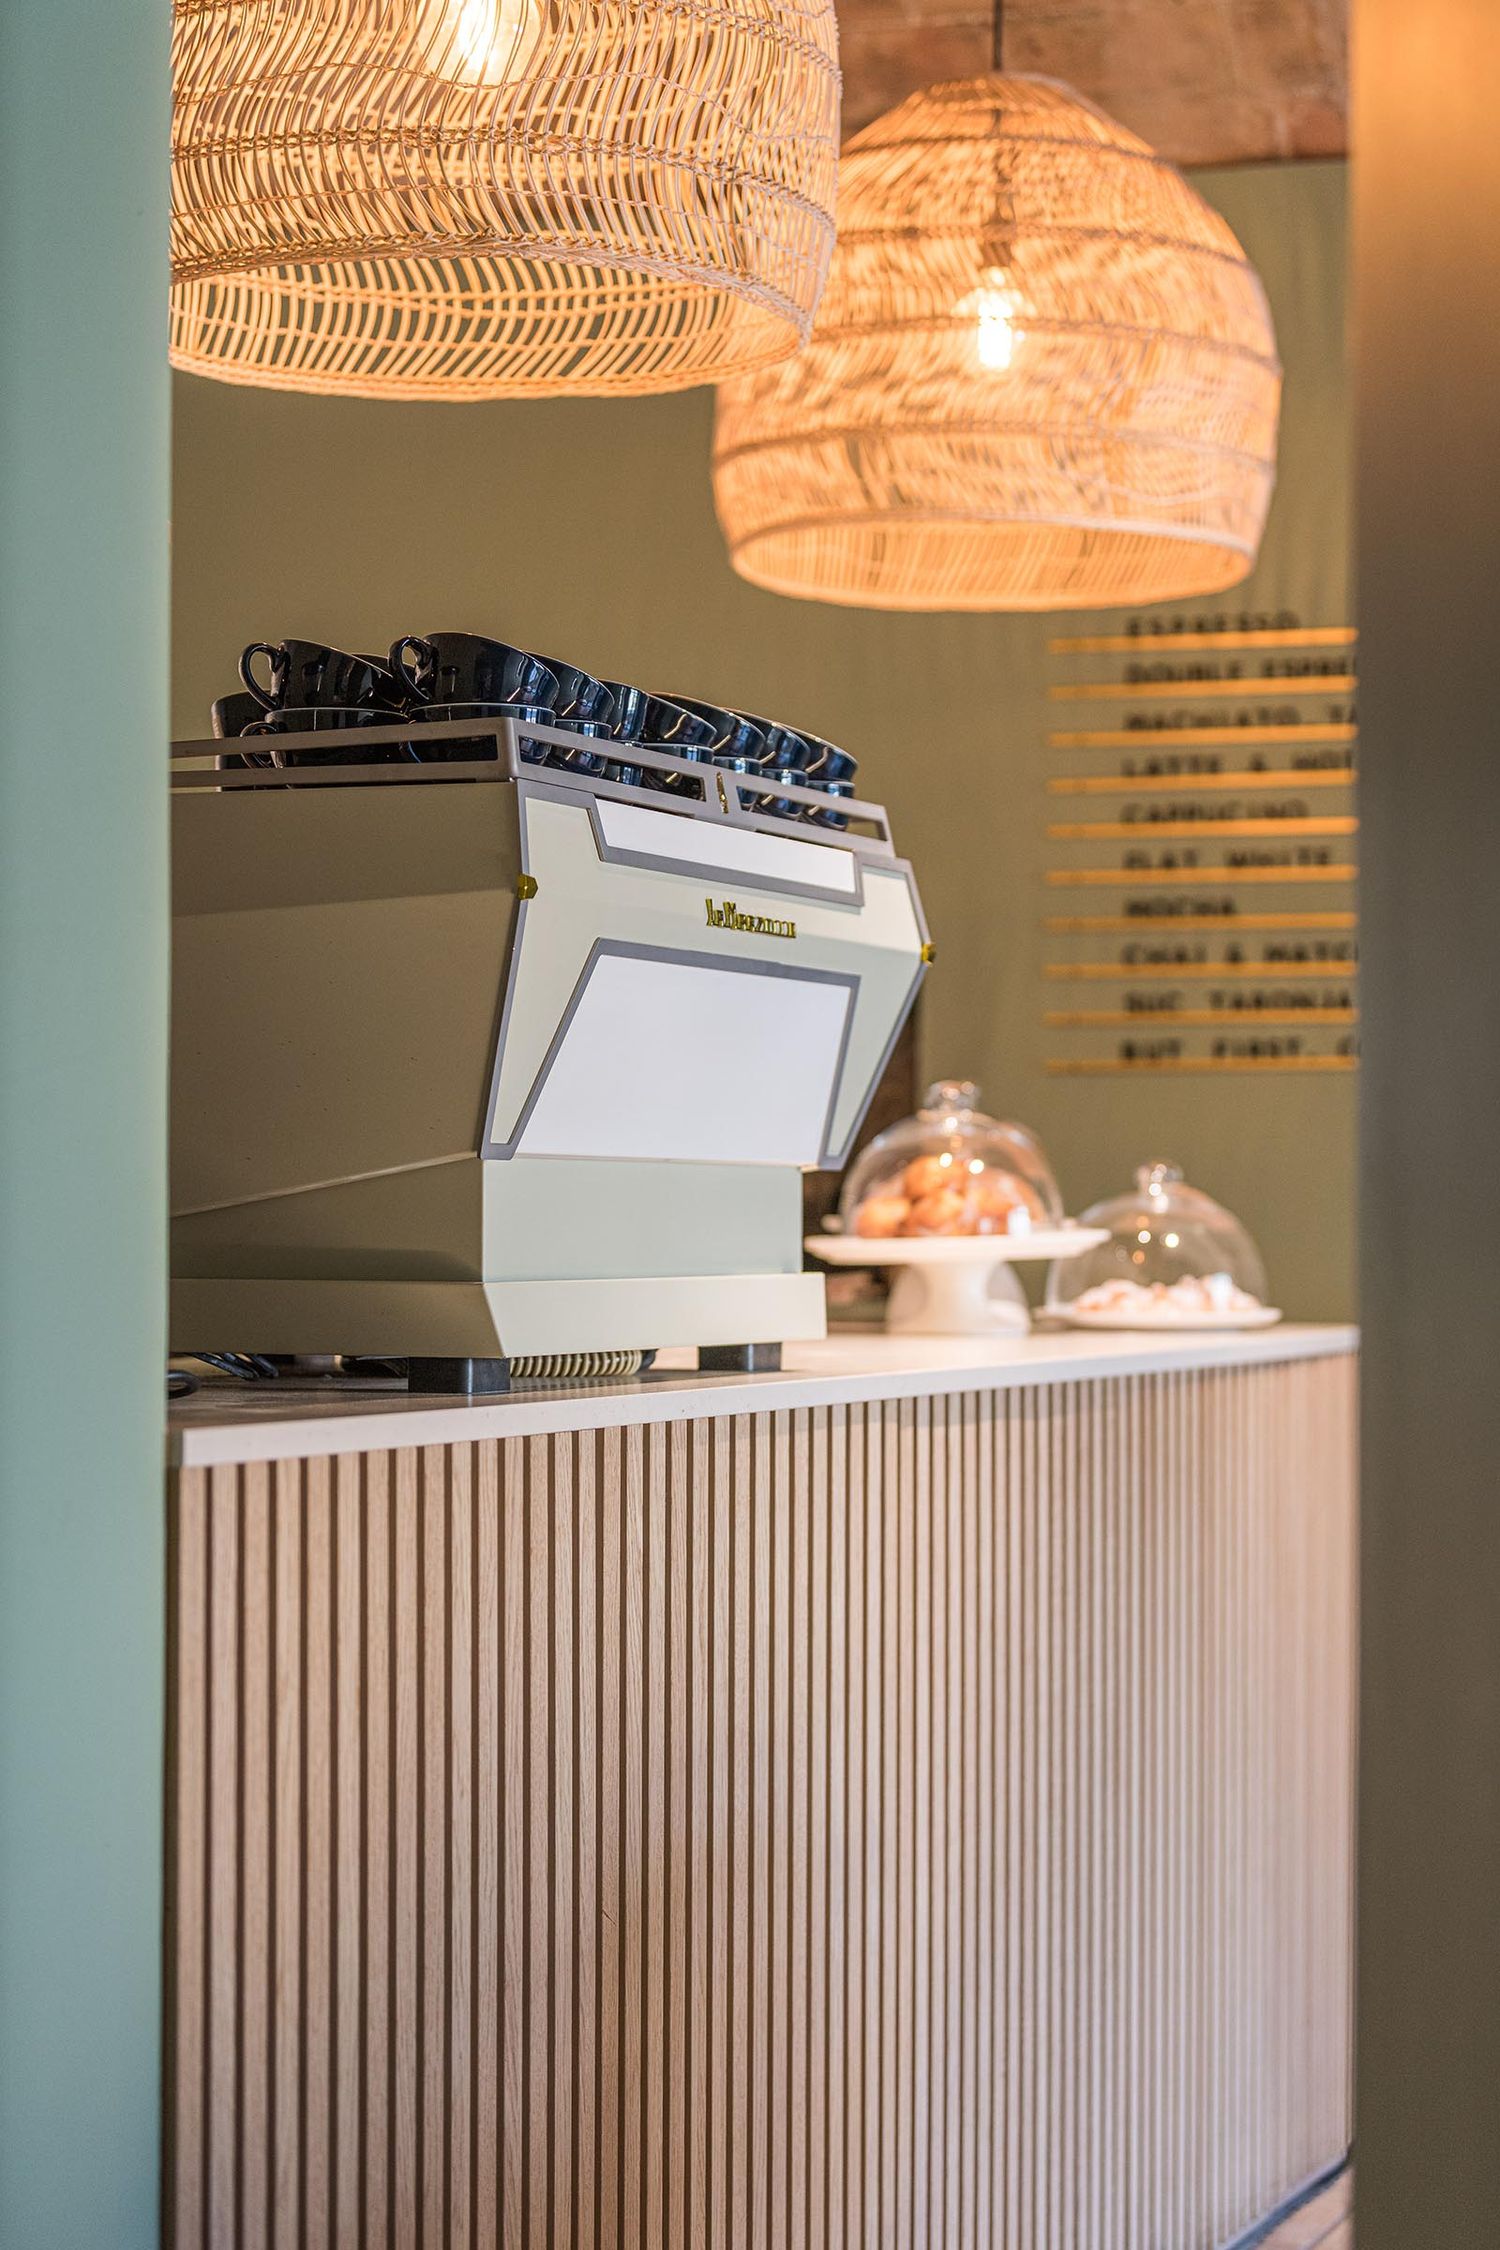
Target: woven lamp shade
pixel 499 198
pixel 1043 376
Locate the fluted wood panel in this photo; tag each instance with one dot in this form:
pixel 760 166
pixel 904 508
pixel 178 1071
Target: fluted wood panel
pixel 923 1823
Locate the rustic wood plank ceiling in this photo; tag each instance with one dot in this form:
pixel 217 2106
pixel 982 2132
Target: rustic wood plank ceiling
pixel 1204 81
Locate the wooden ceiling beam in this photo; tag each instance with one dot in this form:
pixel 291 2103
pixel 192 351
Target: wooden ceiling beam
pixel 1204 81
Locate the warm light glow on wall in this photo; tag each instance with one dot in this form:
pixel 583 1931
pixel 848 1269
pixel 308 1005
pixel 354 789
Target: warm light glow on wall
pixel 492 198
pixel 1043 375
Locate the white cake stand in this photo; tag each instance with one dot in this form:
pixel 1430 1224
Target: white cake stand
pixel 957 1284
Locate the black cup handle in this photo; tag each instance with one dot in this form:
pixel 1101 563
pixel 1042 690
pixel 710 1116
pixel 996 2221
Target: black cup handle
pixel 275 757
pixel 426 654
pixel 266 697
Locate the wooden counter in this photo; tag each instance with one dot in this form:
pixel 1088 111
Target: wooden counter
pixel 905 1800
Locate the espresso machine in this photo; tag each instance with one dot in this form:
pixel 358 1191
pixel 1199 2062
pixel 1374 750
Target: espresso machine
pixel 486 1062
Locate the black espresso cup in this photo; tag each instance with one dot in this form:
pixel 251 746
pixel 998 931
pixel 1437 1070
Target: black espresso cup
pixel 583 708
pixel 789 755
pixel 232 714
pixel 482 745
pixel 739 742
pixel 306 675
pixel 672 726
pixel 464 668
pixel 579 694
pixel 589 757
pixel 321 718
pixel 832 774
pixel 627 723
pixel 627 711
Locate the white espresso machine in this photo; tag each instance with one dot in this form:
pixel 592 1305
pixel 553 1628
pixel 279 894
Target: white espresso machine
pixel 488 1061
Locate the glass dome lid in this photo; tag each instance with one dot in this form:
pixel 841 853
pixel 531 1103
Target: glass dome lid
pixel 950 1170
pixel 1172 1252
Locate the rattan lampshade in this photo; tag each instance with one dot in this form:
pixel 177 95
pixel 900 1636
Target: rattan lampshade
pixel 493 198
pixel 1043 375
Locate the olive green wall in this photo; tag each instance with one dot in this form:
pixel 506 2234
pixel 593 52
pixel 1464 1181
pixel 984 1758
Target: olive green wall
pixel 586 529
pixel 83 1001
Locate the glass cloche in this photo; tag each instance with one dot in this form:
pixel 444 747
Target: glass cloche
pixel 1174 1258
pixel 950 1170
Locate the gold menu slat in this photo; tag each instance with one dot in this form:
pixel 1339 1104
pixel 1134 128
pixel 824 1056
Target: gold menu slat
pixel 1173 972
pixel 1197 738
pixel 1145 1021
pixel 914 1821
pixel 1152 878
pixel 1175 831
pixel 1140 644
pixel 1171 785
pixel 1226 925
pixel 1178 691
pixel 1182 1066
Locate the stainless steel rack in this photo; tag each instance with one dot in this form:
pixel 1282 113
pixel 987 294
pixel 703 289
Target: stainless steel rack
pixel 697 791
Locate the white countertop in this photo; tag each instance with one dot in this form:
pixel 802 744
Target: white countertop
pixel 227 1422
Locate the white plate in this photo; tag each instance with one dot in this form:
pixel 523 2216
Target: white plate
pixel 1258 1316
pixel 954 1249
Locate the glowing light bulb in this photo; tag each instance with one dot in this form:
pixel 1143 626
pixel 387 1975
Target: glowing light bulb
pixel 995 310
pixel 490 40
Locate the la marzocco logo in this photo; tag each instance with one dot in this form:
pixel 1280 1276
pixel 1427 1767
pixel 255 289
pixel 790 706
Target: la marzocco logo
pixel 727 916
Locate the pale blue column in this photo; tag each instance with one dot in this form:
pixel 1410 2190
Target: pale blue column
pixel 84 91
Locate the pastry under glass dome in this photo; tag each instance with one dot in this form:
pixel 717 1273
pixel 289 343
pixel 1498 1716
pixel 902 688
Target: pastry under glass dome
pixel 950 1170
pixel 1172 1257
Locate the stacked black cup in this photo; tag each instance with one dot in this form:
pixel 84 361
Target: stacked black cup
pixel 305 687
pixel 462 676
pixel 309 688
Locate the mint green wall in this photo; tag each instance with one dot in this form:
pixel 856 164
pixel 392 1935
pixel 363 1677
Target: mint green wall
pixel 83 626
pixel 586 529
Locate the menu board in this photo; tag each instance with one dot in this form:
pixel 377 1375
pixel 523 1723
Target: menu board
pixel 1200 864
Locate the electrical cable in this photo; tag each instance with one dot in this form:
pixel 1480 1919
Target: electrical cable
pixel 245 1367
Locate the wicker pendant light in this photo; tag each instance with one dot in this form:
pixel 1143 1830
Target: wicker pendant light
pixel 1043 375
pixel 498 198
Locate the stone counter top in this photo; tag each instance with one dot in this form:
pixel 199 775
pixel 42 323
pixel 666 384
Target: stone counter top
pixel 226 1422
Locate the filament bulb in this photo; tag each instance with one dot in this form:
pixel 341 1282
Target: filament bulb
pixel 490 40
pixel 995 310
